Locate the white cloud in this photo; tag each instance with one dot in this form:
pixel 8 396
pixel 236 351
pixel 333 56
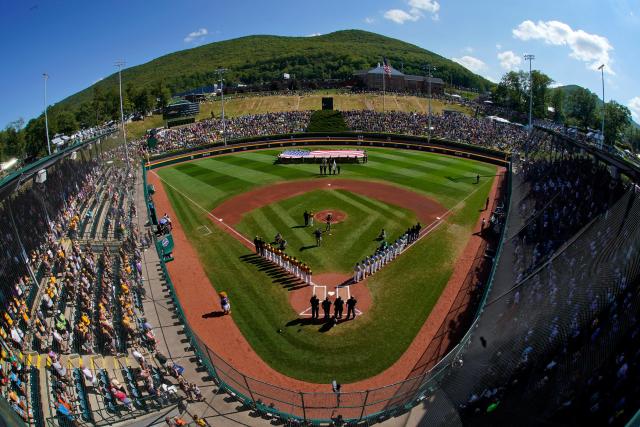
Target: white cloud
pixel 556 84
pixel 196 35
pixel 586 47
pixel 473 64
pixel 313 34
pixel 417 10
pixel 369 20
pixel 509 60
pixel 468 49
pixel 399 16
pixel 498 46
pixel 634 106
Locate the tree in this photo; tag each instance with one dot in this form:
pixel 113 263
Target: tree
pixel 162 94
pixel 541 84
pixel 13 139
pixel 617 120
pixel 35 137
pixel 65 123
pixel 557 103
pixel 581 106
pixel 143 101
pixel 510 91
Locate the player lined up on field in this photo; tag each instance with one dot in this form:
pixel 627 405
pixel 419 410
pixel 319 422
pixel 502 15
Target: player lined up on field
pixel 278 256
pixel 385 253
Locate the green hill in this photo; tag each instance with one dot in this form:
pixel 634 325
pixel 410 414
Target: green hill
pixel 263 58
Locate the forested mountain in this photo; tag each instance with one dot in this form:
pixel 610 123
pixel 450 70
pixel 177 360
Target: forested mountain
pixel 262 58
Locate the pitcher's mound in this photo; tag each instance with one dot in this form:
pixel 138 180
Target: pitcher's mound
pixel 336 216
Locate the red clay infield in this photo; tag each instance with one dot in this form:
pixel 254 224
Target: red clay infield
pixel 232 210
pixel 198 296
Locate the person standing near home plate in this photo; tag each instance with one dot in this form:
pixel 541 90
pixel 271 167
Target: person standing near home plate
pixel 351 307
pixel 315 307
pixel 338 306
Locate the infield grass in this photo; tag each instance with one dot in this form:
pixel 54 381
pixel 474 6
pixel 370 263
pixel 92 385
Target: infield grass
pixel 349 241
pixel 403 293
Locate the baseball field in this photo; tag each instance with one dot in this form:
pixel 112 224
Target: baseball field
pixel 221 203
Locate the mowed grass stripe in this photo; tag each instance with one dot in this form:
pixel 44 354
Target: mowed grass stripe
pixel 194 187
pixel 246 173
pixel 276 171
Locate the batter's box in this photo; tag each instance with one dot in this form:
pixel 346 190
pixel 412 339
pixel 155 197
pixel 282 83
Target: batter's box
pixel 203 230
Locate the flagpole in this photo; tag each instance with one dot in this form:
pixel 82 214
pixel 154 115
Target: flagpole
pixel 384 90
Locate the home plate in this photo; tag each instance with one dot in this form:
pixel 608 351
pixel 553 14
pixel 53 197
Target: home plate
pixel 329 185
pixel 331 293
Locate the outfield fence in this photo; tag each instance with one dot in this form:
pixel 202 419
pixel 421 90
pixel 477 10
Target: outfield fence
pixel 367 406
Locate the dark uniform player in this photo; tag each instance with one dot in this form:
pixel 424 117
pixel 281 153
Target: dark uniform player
pixel 326 308
pixel 256 243
pixel 315 307
pixel 351 307
pixel 306 218
pixel 338 306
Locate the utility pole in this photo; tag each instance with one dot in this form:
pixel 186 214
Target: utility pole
pixel 45 76
pixel 530 58
pixel 601 68
pixel 221 72
pixel 429 69
pixel 119 64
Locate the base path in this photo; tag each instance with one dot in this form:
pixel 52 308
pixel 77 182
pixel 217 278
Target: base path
pixel 232 210
pixel 197 295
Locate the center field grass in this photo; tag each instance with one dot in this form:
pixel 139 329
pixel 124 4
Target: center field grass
pixel 234 107
pixel 403 293
pixel 350 241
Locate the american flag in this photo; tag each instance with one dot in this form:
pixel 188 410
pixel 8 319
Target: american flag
pixel 298 154
pixel 337 153
pixel 386 67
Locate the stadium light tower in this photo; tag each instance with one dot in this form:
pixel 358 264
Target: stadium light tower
pixel 119 64
pixel 45 76
pixel 429 69
pixel 601 68
pixel 530 58
pixel 221 72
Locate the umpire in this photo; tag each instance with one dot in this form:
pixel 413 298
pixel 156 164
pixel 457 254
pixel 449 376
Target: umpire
pixel 326 308
pixel 351 307
pixel 315 307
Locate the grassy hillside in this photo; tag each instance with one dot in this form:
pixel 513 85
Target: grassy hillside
pixel 234 107
pixel 261 58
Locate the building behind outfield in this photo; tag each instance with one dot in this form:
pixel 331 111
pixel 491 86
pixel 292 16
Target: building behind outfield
pixel 398 81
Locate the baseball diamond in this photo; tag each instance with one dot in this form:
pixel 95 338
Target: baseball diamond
pixel 267 199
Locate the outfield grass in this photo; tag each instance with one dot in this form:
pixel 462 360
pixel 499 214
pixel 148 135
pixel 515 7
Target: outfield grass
pixel 403 293
pixel 350 241
pixel 265 104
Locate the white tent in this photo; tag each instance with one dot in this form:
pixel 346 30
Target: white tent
pixel 498 119
pixel 58 141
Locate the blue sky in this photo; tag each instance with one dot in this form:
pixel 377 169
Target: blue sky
pixel 77 42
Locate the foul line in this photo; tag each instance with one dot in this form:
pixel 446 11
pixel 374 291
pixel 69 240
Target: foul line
pixel 217 220
pixel 441 219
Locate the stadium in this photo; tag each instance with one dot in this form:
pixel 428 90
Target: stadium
pixel 327 255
